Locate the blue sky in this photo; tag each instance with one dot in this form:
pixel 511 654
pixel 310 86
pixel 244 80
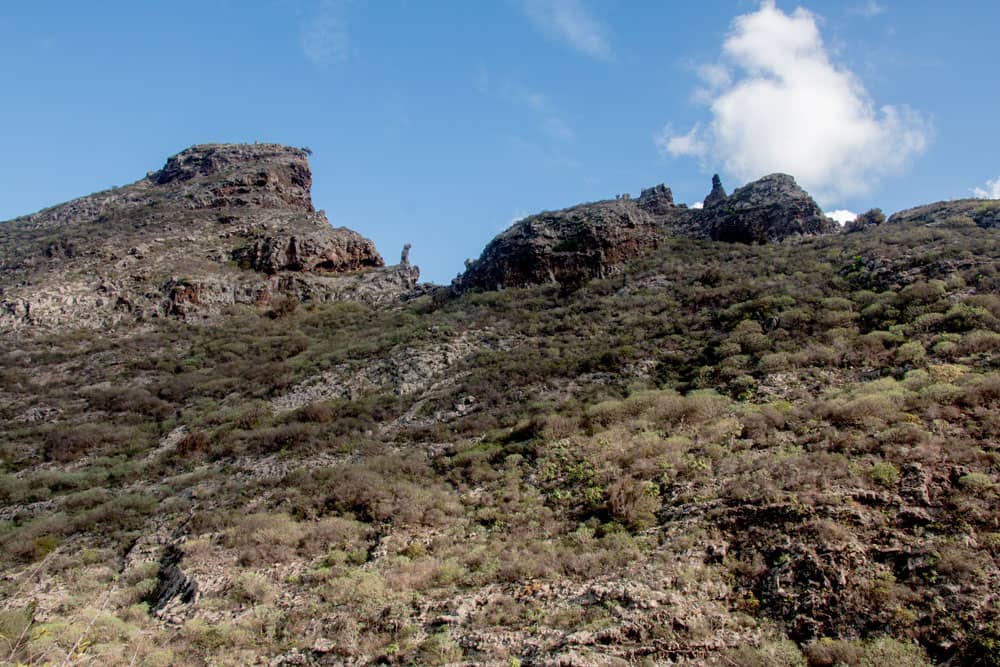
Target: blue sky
pixel 439 123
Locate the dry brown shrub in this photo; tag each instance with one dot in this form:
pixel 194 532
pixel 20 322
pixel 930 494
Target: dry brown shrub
pixel 264 539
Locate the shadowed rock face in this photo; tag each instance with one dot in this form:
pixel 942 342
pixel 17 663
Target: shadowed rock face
pixel 770 209
pixel 865 221
pixel 657 200
pixel 718 193
pixel 589 241
pixel 220 224
pixel 566 247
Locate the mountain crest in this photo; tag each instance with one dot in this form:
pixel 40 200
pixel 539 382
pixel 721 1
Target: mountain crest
pixel 593 240
pixel 231 223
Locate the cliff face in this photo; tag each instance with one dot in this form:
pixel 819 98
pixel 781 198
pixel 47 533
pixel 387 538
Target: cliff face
pixel 589 241
pixel 566 247
pixel 231 224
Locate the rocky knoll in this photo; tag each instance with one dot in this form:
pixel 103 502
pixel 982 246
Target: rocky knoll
pixel 566 247
pixel 228 175
pixel 767 210
pixel 592 240
pixel 219 225
pixel 983 213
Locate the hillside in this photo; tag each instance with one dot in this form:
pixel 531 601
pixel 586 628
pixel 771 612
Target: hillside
pixel 694 453
pixel 218 225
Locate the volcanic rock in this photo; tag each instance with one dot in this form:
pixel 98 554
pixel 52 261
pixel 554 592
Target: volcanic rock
pixel 567 247
pixel 866 220
pixel 770 209
pixel 574 245
pixel 983 213
pixel 219 225
pixel 344 250
pixel 656 200
pixel 718 193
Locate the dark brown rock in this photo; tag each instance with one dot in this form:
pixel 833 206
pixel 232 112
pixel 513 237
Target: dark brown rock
pixel 219 225
pixel 866 220
pixel 574 245
pixel 657 200
pixel 238 175
pixel 337 251
pixel 718 193
pixel 567 247
pixel 771 209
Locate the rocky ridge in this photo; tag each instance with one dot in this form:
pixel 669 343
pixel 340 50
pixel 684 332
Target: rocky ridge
pixel 765 211
pixel 983 213
pixel 593 240
pixel 219 225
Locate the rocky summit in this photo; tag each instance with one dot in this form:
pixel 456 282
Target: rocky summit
pixel 218 225
pixel 770 209
pixel 589 241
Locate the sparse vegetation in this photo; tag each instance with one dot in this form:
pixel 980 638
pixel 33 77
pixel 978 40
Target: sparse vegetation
pixel 774 455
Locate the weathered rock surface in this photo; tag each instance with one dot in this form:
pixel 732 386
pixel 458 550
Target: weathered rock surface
pixel 983 213
pixel 240 175
pixel 867 220
pixel 345 251
pixel 566 247
pixel 219 225
pixel 718 193
pixel 592 240
pixel 767 210
pixel 658 200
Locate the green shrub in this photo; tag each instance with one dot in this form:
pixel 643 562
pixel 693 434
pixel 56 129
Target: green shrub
pixel 884 473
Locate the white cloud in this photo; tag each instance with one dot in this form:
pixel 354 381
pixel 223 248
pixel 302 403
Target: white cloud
pixel 691 144
pixel 991 191
pixel 843 216
pixel 556 128
pixel 324 36
pixel 870 9
pixel 787 107
pixel 698 204
pixel 571 22
pixel 550 120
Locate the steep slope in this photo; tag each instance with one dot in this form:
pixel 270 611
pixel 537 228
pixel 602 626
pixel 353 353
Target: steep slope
pixel 218 225
pixel 751 454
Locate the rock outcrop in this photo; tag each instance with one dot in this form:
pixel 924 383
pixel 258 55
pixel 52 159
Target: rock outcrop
pixel 657 200
pixel 219 225
pixel 345 250
pixel 718 193
pixel 588 241
pixel 567 247
pixel 867 220
pixel 241 175
pixel 770 209
pixel 983 213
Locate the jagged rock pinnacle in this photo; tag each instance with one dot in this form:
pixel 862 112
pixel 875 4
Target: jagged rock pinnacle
pixel 717 194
